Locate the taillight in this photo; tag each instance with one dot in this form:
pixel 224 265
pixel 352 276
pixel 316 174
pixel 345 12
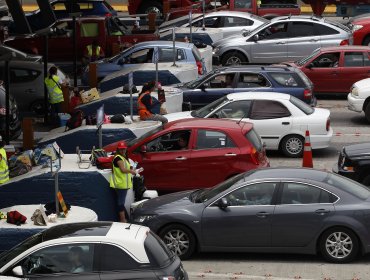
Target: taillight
pixel 168 278
pixel 200 68
pixel 344 42
pixel 254 156
pixel 108 15
pixel 2 111
pixel 307 94
pixel 328 124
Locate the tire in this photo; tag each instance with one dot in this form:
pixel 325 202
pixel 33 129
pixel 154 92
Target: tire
pixel 367 112
pixel 38 107
pixel 179 239
pixel 339 245
pixel 366 181
pixel 366 41
pixel 233 58
pixel 292 146
pixel 151 6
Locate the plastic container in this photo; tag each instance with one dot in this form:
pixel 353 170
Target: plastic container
pixel 63 118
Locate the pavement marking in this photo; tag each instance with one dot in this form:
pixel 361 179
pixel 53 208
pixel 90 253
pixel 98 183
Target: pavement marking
pixel 205 275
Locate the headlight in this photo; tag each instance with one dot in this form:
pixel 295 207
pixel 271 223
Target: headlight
pixel 354 91
pixel 143 218
pixel 216 50
pixel 356 27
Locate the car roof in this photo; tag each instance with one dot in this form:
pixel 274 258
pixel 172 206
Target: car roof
pixel 230 13
pixel 238 68
pixel 258 95
pixel 164 43
pixel 297 17
pixel 208 123
pixel 345 47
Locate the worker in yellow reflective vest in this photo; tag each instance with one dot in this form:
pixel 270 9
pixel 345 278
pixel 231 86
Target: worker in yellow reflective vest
pixel 121 179
pixel 92 53
pixel 4 169
pixel 54 86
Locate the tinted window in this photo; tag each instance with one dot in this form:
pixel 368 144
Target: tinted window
pixel 236 21
pixel 327 60
pixel 166 55
pixel 237 109
pixel 285 79
pixel 275 110
pixel 251 80
pixel 297 193
pixel 355 59
pixel 321 29
pixel 173 141
pixel 141 56
pixel 210 139
pixel 257 194
pixel 254 139
pixel 156 250
pixel 221 81
pixel 113 258
pixel 301 29
pixel 23 75
pixel 278 30
pixel 308 110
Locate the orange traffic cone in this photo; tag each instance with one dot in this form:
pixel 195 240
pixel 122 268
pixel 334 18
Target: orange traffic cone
pixel 307 152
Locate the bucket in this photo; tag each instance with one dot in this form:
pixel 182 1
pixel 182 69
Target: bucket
pixel 63 118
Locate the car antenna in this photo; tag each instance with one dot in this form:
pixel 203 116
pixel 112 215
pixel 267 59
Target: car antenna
pixel 129 226
pixel 238 122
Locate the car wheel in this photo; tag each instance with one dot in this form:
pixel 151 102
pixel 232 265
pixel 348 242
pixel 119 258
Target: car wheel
pixel 38 107
pixel 151 7
pixel 366 41
pixel 292 146
pixel 179 239
pixel 233 58
pixel 366 181
pixel 367 112
pixel 339 245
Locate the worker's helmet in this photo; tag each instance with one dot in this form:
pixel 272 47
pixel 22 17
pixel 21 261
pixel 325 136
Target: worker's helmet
pixel 122 145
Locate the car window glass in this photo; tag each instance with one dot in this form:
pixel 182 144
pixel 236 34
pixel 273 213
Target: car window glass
pixel 354 59
pixel 86 6
pixel 236 21
pixel 140 56
pixel 251 80
pixel 297 193
pixel 221 81
pixel 158 253
pixel 89 29
pixel 278 30
pixel 237 109
pixel 59 7
pixel 166 55
pixel 172 141
pixel 23 75
pixel 62 30
pixel 275 110
pixel 243 4
pixel 326 60
pixel 301 29
pixel 321 29
pixel 254 139
pixel 113 258
pixel 304 107
pixel 285 79
pixel 367 59
pixel 256 194
pixel 76 258
pixel 116 27
pixel 210 139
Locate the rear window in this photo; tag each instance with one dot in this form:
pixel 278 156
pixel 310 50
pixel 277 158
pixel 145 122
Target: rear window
pixel 254 139
pixel 157 251
pixel 285 79
pixel 339 25
pixel 308 110
pixel 347 185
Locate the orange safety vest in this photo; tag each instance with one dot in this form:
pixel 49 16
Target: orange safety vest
pixel 144 113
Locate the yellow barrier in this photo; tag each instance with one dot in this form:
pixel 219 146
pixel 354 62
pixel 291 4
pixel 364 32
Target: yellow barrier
pixel 32 7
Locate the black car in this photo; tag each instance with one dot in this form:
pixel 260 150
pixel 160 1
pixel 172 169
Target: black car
pixel 354 163
pixel 277 210
pixel 225 80
pixel 14 122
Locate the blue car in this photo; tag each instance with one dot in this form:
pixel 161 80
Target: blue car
pixel 225 80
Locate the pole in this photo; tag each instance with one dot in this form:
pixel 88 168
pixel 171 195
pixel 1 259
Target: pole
pixel 203 9
pixel 174 47
pixel 46 94
pixel 100 137
pixel 74 52
pixel 215 3
pixel 130 85
pixel 7 93
pixel 56 180
pixel 190 25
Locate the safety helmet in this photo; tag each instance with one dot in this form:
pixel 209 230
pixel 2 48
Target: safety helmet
pixel 122 145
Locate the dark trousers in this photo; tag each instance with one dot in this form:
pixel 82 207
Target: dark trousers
pixel 55 110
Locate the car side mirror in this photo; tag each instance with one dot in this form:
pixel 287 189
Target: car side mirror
pixel 143 149
pixel 223 203
pixel 204 86
pixel 245 32
pixel 256 38
pixel 17 271
pixel 311 65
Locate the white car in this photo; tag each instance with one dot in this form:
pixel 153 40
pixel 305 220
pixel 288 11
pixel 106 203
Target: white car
pixel 280 119
pixel 359 97
pixel 94 250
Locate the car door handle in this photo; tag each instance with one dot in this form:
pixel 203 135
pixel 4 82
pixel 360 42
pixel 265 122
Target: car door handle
pixel 262 214
pixel 181 158
pixel 280 43
pixel 230 155
pixel 322 211
pixel 30 90
pixel 285 123
pixel 314 40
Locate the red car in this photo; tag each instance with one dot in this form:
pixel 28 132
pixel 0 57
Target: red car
pixel 360 27
pixel 335 69
pixel 196 153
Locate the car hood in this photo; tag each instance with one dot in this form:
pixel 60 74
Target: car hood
pixel 363 84
pixel 358 150
pixel 177 201
pixel 179 115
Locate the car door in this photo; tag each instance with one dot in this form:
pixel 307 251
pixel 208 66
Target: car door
pixel 271 45
pixel 166 166
pixel 67 261
pixel 60 41
pixel 300 214
pixel 356 67
pixel 213 158
pixel 302 39
pixel 118 263
pixel 270 124
pixel 245 222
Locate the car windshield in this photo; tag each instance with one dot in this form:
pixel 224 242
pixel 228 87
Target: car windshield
pixel 259 28
pixel 145 135
pixel 304 107
pixel 197 82
pixel 206 110
pixel 347 185
pixel 206 194
pixel 20 248
pixel 121 54
pixel 304 60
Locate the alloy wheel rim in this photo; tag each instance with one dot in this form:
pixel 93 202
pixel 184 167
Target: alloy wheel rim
pixel 339 245
pixel 177 241
pixel 294 146
pixel 233 61
pixel 153 10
